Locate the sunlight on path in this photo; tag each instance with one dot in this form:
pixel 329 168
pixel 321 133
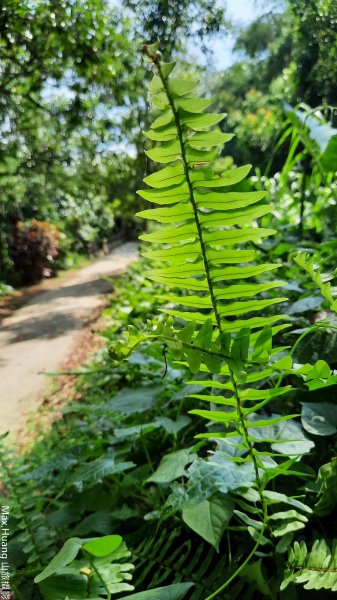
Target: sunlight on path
pixel 38 337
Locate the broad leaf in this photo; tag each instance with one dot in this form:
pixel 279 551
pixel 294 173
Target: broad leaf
pixel 319 418
pixel 65 556
pixel 172 466
pixel 177 591
pixel 209 518
pixel 103 546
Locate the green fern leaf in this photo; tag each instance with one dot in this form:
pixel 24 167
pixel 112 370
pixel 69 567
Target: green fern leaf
pixel 316 570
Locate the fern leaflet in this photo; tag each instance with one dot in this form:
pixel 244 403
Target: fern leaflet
pixel 316 569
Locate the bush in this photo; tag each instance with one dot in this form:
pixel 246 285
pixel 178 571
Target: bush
pixel 5 289
pixel 33 251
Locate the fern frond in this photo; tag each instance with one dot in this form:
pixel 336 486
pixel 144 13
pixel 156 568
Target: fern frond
pixel 206 222
pixel 307 263
pixel 316 569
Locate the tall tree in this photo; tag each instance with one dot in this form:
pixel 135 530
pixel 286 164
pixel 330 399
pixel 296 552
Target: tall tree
pixel 174 21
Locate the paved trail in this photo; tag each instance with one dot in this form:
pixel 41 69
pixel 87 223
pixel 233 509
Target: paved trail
pixel 38 337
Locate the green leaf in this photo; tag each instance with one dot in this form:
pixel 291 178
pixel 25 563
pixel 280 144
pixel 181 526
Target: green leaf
pixel 164 119
pixel 194 105
pixel 172 466
pixel 165 154
pixel 65 556
pixel 204 336
pixel 268 422
pixel 216 415
pixel 177 591
pixel 316 569
pixel 289 439
pixel 242 272
pixel 94 471
pixel 218 257
pixel 209 477
pixel 240 345
pixel 237 236
pixel 200 122
pixel 160 101
pixel 186 333
pixel 208 139
pixel 234 217
pixel 173 427
pixel 212 362
pixel 305 305
pixel 193 359
pixel 275 497
pixel 167 68
pixel 227 200
pixel 288 515
pixel 253 574
pixel 164 134
pixel 180 87
pixel 166 195
pixel 209 518
pixel 230 177
pixel 173 214
pixel 288 527
pixel 171 234
pixel 319 418
pixel 166 177
pixel 263 345
pixel 60 586
pixel 131 401
pixel 248 520
pixel 243 290
pixel 102 546
pixel 327 492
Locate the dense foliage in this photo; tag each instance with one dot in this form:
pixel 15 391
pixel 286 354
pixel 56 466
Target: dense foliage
pixel 134 457
pixel 197 456
pixel 73 107
pixel 288 54
pixel 73 102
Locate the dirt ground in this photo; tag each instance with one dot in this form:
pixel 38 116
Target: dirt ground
pixel 51 330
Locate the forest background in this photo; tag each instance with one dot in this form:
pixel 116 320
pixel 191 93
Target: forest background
pixel 73 108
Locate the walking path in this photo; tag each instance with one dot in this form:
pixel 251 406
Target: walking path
pixel 38 337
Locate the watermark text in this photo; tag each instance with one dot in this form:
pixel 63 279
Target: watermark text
pixel 5 588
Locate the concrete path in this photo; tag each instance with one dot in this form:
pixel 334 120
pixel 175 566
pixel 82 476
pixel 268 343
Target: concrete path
pixel 38 337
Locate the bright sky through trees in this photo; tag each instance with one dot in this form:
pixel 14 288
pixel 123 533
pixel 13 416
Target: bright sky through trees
pixel 241 12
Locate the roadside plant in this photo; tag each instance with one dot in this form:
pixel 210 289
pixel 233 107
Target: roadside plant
pixel 34 248
pixel 205 253
pixel 233 500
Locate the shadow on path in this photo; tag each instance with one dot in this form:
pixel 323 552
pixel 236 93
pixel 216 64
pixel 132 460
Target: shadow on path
pixel 41 335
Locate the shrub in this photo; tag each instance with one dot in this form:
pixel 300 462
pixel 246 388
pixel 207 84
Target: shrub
pixel 33 250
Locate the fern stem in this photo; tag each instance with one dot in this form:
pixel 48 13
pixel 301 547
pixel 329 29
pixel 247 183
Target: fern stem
pixel 101 578
pixel 246 437
pixel 251 450
pixel 191 192
pixel 239 569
